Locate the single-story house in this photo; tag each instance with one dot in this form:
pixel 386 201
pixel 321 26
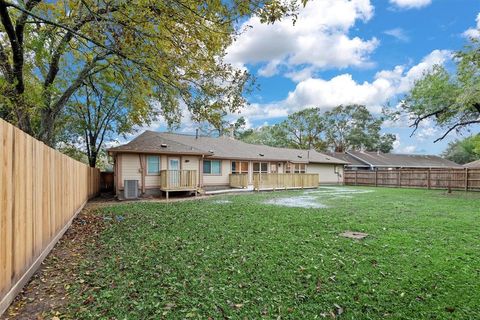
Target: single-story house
pixel 363 160
pixel 473 165
pixel 211 161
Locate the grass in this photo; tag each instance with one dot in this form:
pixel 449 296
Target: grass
pixel 237 257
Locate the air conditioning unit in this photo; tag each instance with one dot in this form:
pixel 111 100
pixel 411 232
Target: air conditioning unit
pixel 130 190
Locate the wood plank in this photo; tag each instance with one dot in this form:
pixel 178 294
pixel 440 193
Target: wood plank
pixel 40 191
pixel 6 206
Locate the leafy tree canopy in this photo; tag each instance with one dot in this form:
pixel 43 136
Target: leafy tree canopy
pixel 463 151
pixel 169 51
pixel 452 101
pixel 353 127
pixel 341 129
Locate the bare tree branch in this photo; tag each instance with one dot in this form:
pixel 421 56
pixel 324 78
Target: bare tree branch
pixel 461 124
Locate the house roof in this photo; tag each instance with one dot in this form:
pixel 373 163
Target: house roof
pixel 221 148
pixel 473 164
pixel 379 159
pixel 151 142
pixel 351 161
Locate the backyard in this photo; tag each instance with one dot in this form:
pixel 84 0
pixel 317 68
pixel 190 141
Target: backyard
pixel 269 255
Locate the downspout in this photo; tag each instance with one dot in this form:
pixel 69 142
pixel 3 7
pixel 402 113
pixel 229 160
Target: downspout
pixel 200 172
pixel 142 171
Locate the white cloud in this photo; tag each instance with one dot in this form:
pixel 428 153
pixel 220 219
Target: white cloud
pixel 398 33
pixel 473 32
pixel 409 4
pixel 343 89
pixel 319 39
pixel 398 147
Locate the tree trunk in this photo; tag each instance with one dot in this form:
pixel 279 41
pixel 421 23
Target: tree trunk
pixel 92 159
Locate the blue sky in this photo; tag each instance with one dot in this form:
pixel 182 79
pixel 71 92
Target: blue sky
pixel 360 51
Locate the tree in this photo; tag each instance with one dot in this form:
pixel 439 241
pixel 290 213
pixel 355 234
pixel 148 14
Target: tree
pixel 223 127
pixel 99 112
pixel 452 102
pixel 353 127
pixel 272 136
pixel 463 151
pixel 303 129
pixel 167 50
pixel 344 128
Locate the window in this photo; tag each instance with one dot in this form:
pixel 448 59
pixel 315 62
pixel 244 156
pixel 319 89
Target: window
pixel 211 166
pixel 295 168
pixel 239 167
pixel 260 167
pixel 153 164
pixel 300 168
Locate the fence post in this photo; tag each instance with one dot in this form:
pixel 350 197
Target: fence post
pixel 399 177
pixel 466 179
pixel 376 178
pixel 356 173
pixel 428 178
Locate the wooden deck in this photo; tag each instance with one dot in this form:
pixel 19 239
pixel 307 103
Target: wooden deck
pixel 178 180
pixel 278 181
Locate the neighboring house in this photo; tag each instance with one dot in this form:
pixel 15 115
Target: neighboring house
pixel 473 165
pixel 362 160
pixel 211 161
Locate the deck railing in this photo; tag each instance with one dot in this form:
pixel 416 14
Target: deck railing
pixel 171 180
pixel 285 180
pixel 238 180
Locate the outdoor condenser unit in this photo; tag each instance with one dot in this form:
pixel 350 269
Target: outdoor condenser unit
pixel 130 190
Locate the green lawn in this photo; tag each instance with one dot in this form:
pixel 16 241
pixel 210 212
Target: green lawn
pixel 237 257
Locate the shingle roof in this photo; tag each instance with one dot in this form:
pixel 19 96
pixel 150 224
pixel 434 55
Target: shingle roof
pixel 473 164
pixel 351 161
pixel 152 142
pixel 379 159
pixel 225 148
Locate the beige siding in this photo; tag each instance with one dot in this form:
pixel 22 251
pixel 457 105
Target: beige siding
pixel 221 179
pixel 327 172
pixel 130 165
pixel 190 162
pixel 163 162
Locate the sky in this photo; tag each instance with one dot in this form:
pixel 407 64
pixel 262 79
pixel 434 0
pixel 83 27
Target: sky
pixel 352 51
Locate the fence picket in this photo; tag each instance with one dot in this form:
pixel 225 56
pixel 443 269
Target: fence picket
pixel 441 178
pixel 41 190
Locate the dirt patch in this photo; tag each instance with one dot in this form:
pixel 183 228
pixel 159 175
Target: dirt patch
pixel 47 292
pixel 299 202
pixel 354 235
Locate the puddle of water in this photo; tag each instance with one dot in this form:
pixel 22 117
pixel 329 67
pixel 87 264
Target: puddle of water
pixel 298 202
pixel 336 192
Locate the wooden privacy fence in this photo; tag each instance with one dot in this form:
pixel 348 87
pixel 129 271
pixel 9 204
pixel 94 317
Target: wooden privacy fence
pixel 459 179
pixel 41 190
pixel 285 180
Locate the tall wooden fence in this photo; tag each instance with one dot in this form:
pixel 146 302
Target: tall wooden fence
pixel 458 179
pixel 41 190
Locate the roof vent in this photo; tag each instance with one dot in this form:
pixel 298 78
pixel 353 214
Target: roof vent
pixel 300 156
pixel 163 145
pixel 211 151
pixel 261 154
